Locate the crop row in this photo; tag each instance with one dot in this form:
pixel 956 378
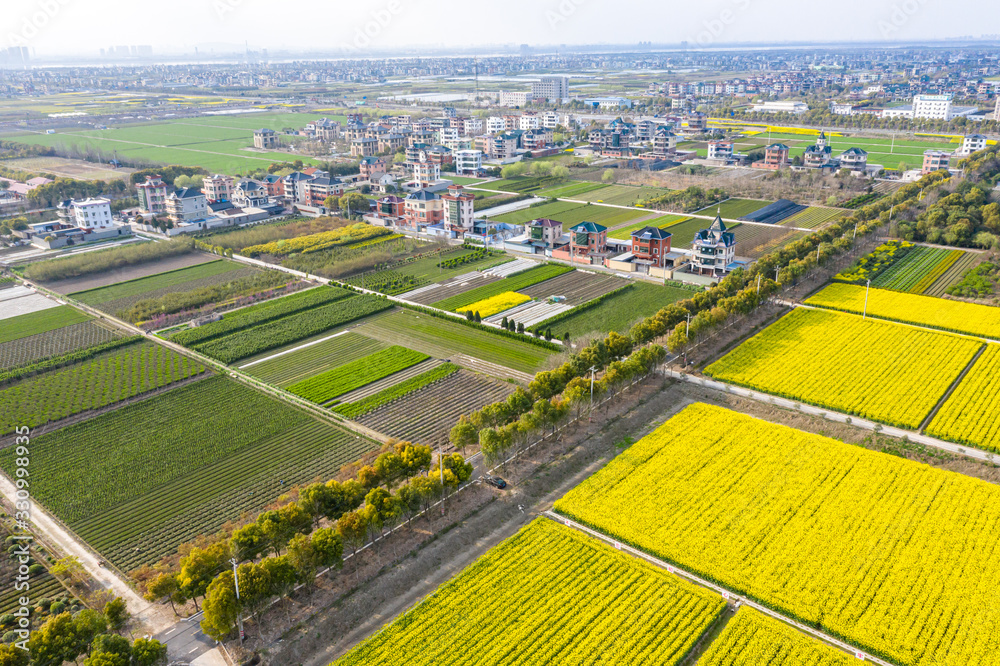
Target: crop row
pixel 98 382
pixel 513 283
pixel 865 368
pixel 336 382
pixel 274 334
pixel 956 316
pixel 427 415
pixel 316 242
pixel 387 395
pixel 315 358
pixel 77 356
pixel 120 455
pixel 857 543
pixel 548 595
pixel 910 271
pixel 932 276
pixel 168 515
pixel 259 314
pixel 33 348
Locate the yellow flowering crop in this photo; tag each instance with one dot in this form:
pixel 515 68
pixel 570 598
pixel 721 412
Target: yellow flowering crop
pixel 754 638
pixel 323 240
pixel 494 304
pixel 876 370
pixel 971 415
pixel 548 595
pixel 970 318
pixel 891 555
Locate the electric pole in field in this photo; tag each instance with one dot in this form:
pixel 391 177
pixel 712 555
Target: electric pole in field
pixel 590 413
pixel 239 614
pixel 864 314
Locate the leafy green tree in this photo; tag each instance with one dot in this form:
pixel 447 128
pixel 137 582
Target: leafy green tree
pixel 11 655
pixel 302 556
pixel 281 575
pixel 352 527
pixel 56 641
pixel 247 541
pixel 149 652
pixel 116 612
pixel 327 547
pixel 106 659
pixel 198 569
pixel 354 202
pixel 221 607
pixel 463 434
pixel 112 644
pixel 163 587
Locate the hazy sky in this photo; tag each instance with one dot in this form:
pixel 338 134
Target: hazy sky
pixel 84 26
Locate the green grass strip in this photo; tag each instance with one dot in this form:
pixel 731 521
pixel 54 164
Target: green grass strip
pixel 336 382
pixel 355 409
pixel 41 321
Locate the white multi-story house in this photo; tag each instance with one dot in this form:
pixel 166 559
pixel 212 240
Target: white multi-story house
pixel 446 134
pixel 720 150
pixel 495 124
pixel 973 143
pixel 468 161
pixel 550 119
pixel 714 250
pixel 249 194
pixel 265 139
pixel 459 213
pixel 529 121
pixel 187 205
pixel 93 213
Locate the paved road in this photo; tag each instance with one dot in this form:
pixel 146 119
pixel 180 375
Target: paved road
pixel 185 640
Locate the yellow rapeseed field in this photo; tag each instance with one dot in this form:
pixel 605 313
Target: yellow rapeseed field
pixel 876 370
pixel 548 595
pixel 969 318
pixel 893 556
pixel 754 638
pixel 494 304
pixel 971 415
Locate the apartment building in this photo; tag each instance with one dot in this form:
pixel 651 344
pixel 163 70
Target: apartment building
pixel 935 160
pixel 459 212
pixel 495 124
pixel 720 150
pixel 93 213
pixel 513 98
pixel 364 146
pixel 186 205
pixel 551 88
pixel 422 208
pixel 529 121
pixel 371 168
pixel 775 157
pixel 937 107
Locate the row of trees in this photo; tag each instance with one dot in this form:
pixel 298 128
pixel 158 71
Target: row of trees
pixel 399 483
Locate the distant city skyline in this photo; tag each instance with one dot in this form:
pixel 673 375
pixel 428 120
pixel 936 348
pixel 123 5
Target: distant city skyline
pixel 52 28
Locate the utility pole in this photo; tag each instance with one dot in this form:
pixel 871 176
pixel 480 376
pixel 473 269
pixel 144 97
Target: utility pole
pixel 855 236
pixel 864 314
pixel 441 465
pixel 590 414
pixel 758 284
pixel 239 615
pixel 776 271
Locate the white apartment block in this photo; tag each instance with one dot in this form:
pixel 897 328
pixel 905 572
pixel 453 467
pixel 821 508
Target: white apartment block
pixel 550 120
pixel 468 161
pixel 552 88
pixel 781 107
pixel 92 213
pixel 937 107
pixel 514 98
pixel 996 112
pixel 447 134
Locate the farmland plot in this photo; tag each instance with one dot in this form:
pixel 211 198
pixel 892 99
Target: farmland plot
pixel 578 602
pixel 971 415
pixel 444 339
pixel 534 275
pixel 864 368
pixel 894 556
pixel 19 301
pixel 33 348
pixel 427 415
pixel 813 217
pixel 576 287
pixel 448 288
pixel 956 316
pixel 103 380
pixel 334 383
pixel 161 471
pixel 732 209
pixel 296 364
pixel 392 388
pixel 754 637
pixel 36 323
pixel 918 269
